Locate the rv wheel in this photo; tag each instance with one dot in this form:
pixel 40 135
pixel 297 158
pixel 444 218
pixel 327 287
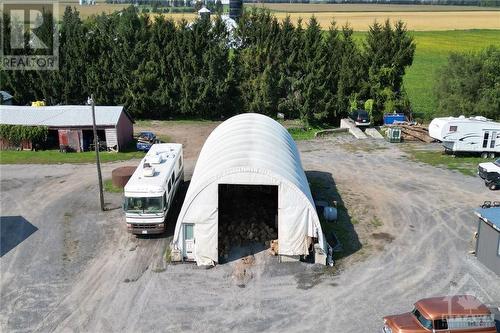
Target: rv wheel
pixel 491 155
pixel 484 155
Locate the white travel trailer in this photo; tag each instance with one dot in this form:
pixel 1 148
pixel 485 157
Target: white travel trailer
pixel 150 191
pixel 461 134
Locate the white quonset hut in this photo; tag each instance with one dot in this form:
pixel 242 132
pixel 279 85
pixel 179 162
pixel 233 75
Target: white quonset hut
pixel 247 150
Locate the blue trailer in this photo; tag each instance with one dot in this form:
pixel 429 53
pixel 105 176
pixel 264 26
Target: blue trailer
pixel 390 118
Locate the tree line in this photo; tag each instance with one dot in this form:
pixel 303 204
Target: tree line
pixel 469 84
pixel 160 69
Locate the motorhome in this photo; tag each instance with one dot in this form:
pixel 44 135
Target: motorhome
pixel 150 191
pixel 461 134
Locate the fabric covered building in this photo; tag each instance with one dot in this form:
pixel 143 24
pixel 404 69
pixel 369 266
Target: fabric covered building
pixel 248 153
pixel 71 125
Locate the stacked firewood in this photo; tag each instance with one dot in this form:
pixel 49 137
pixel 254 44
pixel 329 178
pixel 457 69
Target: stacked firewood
pixel 415 133
pixel 241 233
pixel 274 249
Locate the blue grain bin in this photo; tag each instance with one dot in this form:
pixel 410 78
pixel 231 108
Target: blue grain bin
pixel 390 118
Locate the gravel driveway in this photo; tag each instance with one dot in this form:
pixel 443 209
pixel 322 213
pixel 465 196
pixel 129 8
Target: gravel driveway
pixel 78 270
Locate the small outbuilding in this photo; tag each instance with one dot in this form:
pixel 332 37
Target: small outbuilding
pixel 70 126
pixel 248 166
pixel 488 238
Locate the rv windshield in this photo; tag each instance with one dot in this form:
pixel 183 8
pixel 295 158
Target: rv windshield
pixel 144 205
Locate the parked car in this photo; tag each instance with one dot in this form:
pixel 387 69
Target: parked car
pixel 489 169
pixel 360 117
pixel 463 313
pixel 145 140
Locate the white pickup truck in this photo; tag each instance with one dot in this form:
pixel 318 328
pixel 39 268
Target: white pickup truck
pixel 484 169
pixel 490 172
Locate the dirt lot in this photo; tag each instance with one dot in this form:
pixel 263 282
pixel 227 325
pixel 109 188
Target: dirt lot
pixel 76 269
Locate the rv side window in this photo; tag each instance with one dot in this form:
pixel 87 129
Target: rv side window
pixel 165 201
pixel 180 162
pixel 485 140
pixel 453 128
pixel 493 137
pixel 168 186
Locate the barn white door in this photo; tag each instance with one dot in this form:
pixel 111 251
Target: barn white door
pixel 188 248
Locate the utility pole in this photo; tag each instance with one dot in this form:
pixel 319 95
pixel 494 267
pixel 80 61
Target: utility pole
pixel 96 146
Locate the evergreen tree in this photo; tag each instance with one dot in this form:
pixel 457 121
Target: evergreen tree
pixel 351 75
pixel 313 80
pixel 388 52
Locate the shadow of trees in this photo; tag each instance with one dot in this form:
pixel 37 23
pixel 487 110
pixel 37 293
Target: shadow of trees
pixel 323 188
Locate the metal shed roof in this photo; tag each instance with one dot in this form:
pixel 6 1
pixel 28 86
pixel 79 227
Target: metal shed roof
pixel 490 216
pixel 60 116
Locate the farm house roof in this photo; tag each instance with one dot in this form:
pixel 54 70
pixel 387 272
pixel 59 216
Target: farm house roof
pixel 60 116
pixel 249 149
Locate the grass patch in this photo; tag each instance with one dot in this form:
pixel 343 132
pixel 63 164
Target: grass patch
pixel 467 165
pixel 164 138
pixel 303 133
pixel 167 255
pixel 433 49
pixel 376 222
pixel 109 187
pixel 56 157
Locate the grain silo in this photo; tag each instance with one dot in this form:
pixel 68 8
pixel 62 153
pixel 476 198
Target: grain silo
pixel 235 9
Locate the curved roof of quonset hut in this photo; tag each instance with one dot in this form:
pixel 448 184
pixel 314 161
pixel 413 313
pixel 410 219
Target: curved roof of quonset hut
pixel 249 149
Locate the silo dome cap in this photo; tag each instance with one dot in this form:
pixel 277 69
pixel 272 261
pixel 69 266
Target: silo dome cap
pixel 204 10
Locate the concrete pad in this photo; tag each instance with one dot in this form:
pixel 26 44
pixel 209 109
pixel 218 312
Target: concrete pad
pixel 373 133
pixel 349 124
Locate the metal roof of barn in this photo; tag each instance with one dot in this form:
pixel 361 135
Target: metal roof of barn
pixel 60 116
pixel 490 216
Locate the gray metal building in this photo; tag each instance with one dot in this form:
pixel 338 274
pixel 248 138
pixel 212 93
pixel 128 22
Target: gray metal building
pixel 488 242
pixel 71 125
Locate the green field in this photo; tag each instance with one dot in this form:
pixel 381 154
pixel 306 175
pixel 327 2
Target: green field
pixel 55 157
pixel 433 48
